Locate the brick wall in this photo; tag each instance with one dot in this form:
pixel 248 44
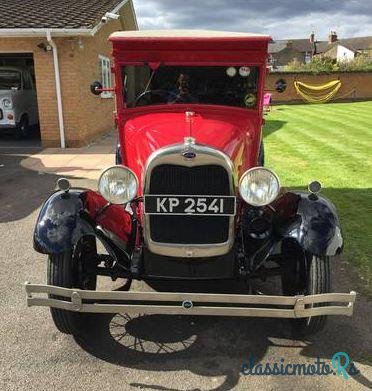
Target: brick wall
pixel 96 113
pixel 360 82
pixel 86 116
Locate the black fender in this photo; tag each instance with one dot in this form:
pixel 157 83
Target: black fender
pixel 310 220
pixel 62 222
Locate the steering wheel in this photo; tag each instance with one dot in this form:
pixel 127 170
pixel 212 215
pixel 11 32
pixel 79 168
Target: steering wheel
pixel 178 99
pixel 146 97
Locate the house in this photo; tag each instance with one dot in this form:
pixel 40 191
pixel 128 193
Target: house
pixel 283 52
pixel 349 48
pixel 64 44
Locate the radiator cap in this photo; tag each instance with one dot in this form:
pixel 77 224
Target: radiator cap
pixel 188 151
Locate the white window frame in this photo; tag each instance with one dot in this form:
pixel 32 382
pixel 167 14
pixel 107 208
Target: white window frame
pixel 106 76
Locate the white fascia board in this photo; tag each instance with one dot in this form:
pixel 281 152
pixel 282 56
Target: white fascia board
pixel 57 32
pixel 30 32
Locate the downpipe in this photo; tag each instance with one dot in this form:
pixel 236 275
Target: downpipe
pixel 58 88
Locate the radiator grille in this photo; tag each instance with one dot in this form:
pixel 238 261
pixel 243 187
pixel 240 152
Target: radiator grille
pixel 181 180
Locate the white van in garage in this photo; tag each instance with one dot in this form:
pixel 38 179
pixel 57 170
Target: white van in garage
pixel 18 100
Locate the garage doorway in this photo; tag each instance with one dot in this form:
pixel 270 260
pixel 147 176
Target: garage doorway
pixel 19 118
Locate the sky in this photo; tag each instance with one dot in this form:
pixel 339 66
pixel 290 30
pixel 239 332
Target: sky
pixel 279 18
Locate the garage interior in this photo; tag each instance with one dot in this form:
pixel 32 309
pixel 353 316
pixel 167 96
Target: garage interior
pixel 10 137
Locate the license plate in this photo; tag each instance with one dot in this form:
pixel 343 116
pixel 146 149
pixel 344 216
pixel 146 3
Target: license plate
pixel 190 205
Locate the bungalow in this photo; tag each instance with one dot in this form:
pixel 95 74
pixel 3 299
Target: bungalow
pixel 64 45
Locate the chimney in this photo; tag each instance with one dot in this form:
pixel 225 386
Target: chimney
pixel 312 37
pixel 313 42
pixel 332 37
pixel 289 44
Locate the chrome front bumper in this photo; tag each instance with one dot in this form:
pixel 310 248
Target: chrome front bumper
pixel 190 303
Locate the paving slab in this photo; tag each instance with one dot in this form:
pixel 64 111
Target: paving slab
pixel 87 162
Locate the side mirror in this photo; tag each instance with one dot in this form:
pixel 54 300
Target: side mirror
pixel 96 88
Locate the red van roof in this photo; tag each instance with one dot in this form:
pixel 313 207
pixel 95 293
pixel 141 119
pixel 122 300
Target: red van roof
pixel 189 46
pixel 186 34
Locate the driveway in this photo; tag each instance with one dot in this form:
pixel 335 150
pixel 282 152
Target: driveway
pixel 148 352
pixel 9 139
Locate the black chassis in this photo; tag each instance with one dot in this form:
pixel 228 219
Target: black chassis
pixel 300 220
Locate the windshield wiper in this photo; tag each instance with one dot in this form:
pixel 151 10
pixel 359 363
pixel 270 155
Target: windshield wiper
pixel 149 82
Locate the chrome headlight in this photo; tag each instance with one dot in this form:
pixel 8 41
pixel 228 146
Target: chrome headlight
pixel 7 103
pixel 118 185
pixel 259 186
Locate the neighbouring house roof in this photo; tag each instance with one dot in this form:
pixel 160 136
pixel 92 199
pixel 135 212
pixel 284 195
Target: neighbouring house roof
pixel 299 45
pixel 353 44
pixel 286 55
pixel 54 14
pixel 277 46
pixel 321 46
pixel 329 47
pixel 285 50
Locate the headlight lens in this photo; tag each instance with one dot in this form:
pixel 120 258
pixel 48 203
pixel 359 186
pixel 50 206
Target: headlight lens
pixel 259 186
pixel 118 185
pixel 7 103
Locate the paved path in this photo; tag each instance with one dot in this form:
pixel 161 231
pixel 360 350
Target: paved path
pixel 86 162
pixel 150 352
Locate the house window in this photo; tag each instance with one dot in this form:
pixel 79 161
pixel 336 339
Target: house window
pixel 106 78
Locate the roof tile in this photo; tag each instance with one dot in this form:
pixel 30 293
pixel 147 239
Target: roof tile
pixel 53 13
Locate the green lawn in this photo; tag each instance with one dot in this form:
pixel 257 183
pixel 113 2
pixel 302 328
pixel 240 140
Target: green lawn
pixel 333 144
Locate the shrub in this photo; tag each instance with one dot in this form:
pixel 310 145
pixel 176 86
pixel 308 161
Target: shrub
pixel 328 65
pixel 360 63
pixel 316 65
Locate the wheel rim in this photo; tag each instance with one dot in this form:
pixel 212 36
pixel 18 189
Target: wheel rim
pixel 23 126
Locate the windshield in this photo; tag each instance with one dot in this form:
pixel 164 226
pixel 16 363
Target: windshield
pixel 9 80
pixel 214 85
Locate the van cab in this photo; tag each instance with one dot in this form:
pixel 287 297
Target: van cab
pixel 18 100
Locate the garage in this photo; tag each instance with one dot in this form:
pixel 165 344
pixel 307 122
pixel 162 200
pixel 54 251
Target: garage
pixel 19 117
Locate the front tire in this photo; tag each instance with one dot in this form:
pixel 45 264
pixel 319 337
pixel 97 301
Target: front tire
pixel 23 127
pixel 317 279
pixel 72 270
pixel 60 274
